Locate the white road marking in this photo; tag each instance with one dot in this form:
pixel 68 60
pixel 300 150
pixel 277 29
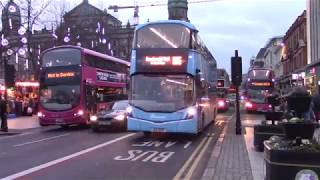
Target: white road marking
pixel 187 145
pixel 190 160
pixel 41 140
pixel 57 161
pixel 197 160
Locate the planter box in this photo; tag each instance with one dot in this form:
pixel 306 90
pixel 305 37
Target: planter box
pixel 299 104
pixel 302 130
pixel 286 164
pixel 264 132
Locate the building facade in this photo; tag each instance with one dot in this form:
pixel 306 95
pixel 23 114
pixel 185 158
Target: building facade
pixel 92 28
pixel 313 14
pixel 313 35
pixel 272 55
pixel 222 74
pixel 294 58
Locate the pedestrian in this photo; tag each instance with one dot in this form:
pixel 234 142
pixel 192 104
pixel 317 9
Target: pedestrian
pixel 3 114
pixel 316 104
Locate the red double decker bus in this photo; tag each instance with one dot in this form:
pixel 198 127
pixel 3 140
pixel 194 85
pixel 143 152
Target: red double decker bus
pixel 75 82
pixel 259 84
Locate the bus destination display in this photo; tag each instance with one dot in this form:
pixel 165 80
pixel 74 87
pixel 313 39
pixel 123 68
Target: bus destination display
pixel 162 60
pixel 60 75
pixel 261 84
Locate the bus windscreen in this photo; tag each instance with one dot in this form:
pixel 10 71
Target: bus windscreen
pixel 163 36
pixel 167 93
pixel 61 57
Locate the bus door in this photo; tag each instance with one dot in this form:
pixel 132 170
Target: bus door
pixel 90 104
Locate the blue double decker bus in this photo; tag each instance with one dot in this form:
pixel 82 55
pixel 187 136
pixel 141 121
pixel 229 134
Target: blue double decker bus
pixel 173 79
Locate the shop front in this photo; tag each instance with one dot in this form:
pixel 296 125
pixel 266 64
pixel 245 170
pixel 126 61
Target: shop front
pixel 311 79
pixel 22 100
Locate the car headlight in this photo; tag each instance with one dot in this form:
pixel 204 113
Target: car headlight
pixel 93 118
pixel 120 117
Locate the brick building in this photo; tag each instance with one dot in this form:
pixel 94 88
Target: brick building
pixel 294 57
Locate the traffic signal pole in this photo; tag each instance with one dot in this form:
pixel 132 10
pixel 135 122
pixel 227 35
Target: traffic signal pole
pixel 238 120
pixel 236 73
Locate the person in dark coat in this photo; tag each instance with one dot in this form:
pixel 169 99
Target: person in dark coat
pixel 3 114
pixel 316 104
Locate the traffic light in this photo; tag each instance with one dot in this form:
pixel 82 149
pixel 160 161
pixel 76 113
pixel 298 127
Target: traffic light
pixel 10 76
pixel 236 69
pixel 220 83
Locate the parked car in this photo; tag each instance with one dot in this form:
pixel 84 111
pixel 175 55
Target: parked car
pixel 113 117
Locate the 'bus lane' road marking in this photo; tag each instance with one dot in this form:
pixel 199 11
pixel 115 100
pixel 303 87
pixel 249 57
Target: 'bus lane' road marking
pixel 41 140
pixel 60 160
pixel 147 155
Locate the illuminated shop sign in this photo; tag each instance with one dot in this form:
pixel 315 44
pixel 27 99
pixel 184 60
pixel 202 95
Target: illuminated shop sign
pixel 164 60
pixel 60 75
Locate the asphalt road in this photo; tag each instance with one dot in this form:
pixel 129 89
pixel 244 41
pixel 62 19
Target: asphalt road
pixel 75 153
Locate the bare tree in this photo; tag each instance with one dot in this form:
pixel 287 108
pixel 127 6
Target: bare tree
pixel 32 16
pixel 56 12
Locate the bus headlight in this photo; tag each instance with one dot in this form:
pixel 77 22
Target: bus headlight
pixel 40 114
pixel 129 111
pixel 79 113
pixel 120 117
pixel 249 105
pixel 191 112
pixel 93 118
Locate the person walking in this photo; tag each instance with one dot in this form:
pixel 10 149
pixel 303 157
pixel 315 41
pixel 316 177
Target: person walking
pixel 3 114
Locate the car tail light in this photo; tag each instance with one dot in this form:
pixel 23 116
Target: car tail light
pixel 249 105
pixel 221 103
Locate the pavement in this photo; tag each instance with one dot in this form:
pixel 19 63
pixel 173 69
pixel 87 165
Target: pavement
pixel 229 159
pixel 19 124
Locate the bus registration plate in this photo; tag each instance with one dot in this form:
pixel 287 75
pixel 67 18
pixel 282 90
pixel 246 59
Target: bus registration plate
pixel 59 120
pixel 159 130
pixel 104 122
